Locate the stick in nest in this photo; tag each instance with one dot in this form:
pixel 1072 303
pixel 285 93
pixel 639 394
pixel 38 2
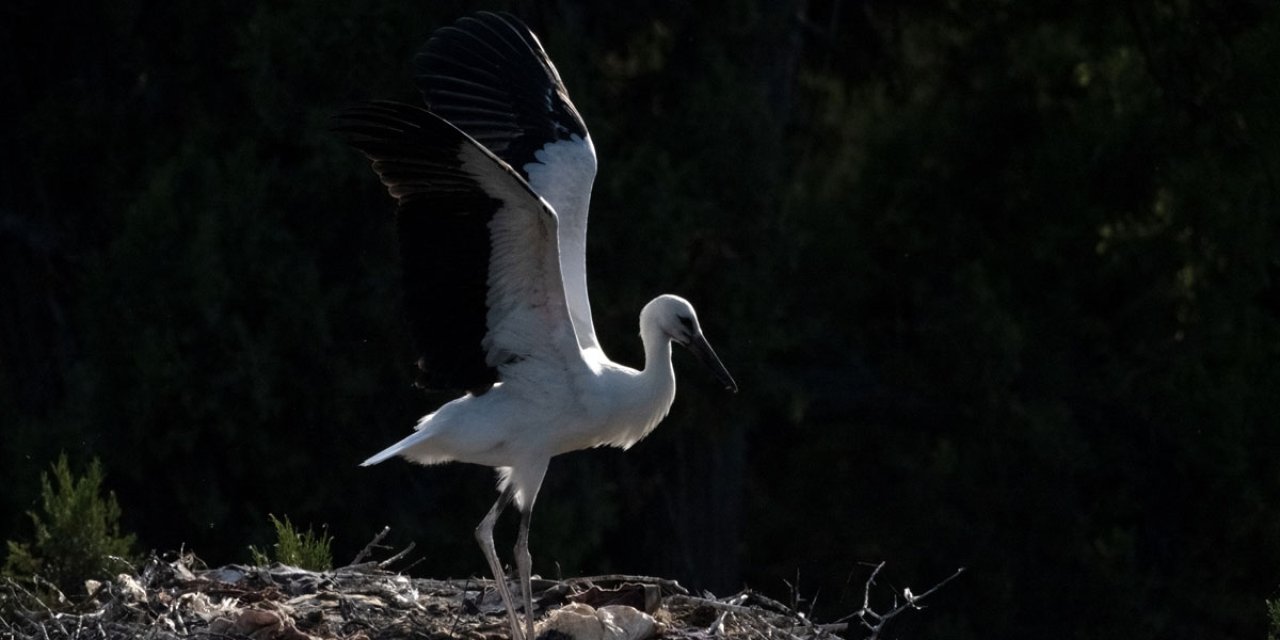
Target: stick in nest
pixel 875 622
pixel 368 548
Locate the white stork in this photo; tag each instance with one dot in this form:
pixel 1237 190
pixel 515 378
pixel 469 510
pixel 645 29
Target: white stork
pixel 492 183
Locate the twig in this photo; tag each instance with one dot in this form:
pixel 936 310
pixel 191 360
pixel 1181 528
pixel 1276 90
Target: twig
pixel 33 598
pixel 411 564
pixel 368 548
pixel 665 583
pixel 457 613
pixel 778 607
pixel 708 602
pixel 717 628
pixel 830 627
pixel 132 569
pixel 875 622
pixel 912 599
pixel 733 606
pixel 385 563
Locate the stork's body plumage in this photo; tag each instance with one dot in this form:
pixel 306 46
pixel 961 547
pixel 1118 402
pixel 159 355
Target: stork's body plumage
pixel 594 402
pixel 493 183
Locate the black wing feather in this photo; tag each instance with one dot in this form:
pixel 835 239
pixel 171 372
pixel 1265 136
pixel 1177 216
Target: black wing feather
pixel 489 76
pixel 442 219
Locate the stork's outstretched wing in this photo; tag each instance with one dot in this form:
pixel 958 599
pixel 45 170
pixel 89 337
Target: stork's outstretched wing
pixel 489 76
pixel 482 278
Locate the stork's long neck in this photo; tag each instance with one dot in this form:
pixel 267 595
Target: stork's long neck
pixel 657 381
pixel 644 397
pixel 657 351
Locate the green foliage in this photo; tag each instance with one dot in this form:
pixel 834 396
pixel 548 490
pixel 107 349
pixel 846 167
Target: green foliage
pixel 77 533
pixel 303 549
pixel 1273 619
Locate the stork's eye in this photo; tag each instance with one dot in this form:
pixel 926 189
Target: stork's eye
pixel 686 322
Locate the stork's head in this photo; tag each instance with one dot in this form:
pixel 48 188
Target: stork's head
pixel 675 318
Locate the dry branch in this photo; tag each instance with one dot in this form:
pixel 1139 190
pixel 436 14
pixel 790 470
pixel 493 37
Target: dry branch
pixel 875 622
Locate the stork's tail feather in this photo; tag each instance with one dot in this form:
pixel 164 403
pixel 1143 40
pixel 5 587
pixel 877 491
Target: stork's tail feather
pixel 395 449
pixel 381 455
pixel 413 448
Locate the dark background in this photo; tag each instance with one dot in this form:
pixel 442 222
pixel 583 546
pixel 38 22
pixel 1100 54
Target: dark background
pixel 998 281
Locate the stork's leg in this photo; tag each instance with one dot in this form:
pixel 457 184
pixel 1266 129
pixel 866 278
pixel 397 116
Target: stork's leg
pixel 524 566
pixel 484 535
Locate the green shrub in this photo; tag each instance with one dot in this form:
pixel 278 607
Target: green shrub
pixel 302 549
pixel 77 535
pixel 1273 619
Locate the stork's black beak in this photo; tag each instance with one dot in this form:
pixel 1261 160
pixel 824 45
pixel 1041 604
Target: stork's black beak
pixel 702 349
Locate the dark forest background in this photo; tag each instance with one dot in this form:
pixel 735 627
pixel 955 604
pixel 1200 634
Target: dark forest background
pixel 1000 282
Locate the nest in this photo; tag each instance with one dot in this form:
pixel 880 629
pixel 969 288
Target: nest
pixel 173 598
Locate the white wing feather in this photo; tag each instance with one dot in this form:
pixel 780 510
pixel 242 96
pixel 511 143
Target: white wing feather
pixel 562 175
pixel 530 333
